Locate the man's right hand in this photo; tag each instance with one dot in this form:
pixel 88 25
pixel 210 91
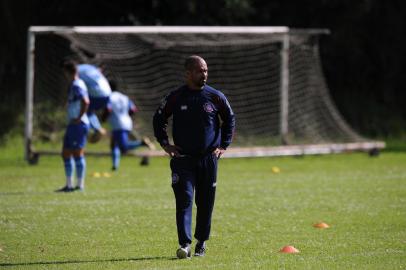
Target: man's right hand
pixel 172 150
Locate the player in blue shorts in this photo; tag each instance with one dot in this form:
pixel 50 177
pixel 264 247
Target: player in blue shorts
pixel 76 132
pixel 119 110
pixel 99 92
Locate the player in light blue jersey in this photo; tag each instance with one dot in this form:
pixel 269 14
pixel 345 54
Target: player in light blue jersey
pixel 76 132
pixel 99 92
pixel 118 111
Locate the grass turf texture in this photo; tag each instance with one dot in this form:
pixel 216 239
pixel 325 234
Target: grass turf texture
pixel 127 221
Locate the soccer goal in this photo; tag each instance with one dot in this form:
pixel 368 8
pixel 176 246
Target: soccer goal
pixel 272 77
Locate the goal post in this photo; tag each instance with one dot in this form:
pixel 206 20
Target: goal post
pixel 272 77
pixel 284 92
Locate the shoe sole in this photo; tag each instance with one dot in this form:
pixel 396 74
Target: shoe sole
pixel 66 190
pixel 199 255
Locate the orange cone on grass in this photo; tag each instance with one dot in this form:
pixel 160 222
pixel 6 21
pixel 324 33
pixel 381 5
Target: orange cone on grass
pixel 321 225
pixel 289 249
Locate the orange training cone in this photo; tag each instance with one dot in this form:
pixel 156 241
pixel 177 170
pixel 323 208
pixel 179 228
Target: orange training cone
pixel 289 249
pixel 321 225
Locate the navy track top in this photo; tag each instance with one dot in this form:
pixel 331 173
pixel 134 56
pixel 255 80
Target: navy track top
pixel 197 128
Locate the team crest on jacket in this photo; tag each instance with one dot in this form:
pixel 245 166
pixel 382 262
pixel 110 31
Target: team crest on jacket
pixel 208 107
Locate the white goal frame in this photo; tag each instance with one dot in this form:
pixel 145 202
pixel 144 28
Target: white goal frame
pixel 281 33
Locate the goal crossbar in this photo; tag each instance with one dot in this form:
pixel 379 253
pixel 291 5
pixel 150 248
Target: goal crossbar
pixel 163 29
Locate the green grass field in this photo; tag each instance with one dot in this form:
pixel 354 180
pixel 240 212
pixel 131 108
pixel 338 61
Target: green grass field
pixel 127 221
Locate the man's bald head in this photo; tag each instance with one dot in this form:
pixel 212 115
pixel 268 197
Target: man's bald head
pixel 192 61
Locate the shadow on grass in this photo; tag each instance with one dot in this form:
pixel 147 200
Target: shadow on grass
pixel 85 261
pixel 36 193
pixel 29 193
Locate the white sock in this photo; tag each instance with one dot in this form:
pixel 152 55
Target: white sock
pixel 69 181
pixel 81 183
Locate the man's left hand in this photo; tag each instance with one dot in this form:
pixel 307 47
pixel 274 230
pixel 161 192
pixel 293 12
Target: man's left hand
pixel 219 152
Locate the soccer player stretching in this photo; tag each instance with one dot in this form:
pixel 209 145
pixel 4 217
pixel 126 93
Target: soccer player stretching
pixel 119 110
pixel 199 141
pixel 99 92
pixel 78 125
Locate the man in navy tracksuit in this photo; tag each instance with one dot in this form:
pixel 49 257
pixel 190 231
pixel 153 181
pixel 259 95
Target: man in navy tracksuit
pixel 199 141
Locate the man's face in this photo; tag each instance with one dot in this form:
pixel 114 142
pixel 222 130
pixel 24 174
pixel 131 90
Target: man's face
pixel 197 76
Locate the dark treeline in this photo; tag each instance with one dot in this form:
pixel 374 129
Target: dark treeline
pixel 363 57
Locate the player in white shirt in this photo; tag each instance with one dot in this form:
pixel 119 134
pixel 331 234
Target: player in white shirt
pixel 77 129
pixel 119 110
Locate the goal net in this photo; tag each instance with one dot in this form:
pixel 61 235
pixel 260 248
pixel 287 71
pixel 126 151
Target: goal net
pixel 272 77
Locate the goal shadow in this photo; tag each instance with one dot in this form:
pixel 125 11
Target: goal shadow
pixel 157 258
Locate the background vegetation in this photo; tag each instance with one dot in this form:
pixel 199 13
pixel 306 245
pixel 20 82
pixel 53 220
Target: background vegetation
pixel 363 57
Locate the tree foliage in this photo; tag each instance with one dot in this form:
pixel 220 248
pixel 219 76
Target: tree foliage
pixel 362 58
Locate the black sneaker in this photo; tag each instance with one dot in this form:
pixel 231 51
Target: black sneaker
pixel 77 188
pixel 200 249
pixel 184 252
pixel 144 161
pixel 65 189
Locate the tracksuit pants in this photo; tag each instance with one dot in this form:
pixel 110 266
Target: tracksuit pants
pixel 194 175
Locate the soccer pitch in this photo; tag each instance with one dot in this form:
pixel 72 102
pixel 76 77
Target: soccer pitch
pixel 127 221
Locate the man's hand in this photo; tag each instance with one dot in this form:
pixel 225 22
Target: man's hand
pixel 219 152
pixel 172 150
